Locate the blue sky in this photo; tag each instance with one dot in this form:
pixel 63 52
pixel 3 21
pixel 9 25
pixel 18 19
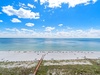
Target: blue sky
pixel 50 18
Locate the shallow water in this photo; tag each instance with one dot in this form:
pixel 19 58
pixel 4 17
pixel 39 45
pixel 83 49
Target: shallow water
pixel 42 44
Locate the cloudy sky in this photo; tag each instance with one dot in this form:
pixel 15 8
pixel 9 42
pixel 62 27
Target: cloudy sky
pixel 50 18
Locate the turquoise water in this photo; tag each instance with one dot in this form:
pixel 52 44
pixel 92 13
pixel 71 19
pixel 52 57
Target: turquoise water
pixel 45 44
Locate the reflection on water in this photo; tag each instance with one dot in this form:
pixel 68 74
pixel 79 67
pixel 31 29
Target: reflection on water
pixel 41 44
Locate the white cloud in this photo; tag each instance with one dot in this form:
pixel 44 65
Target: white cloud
pixel 43 26
pixel 90 33
pixel 15 20
pixel 21 13
pixel 27 30
pixel 14 32
pixel 94 1
pixel 23 32
pixel 22 5
pixel 1 20
pixel 60 25
pixel 49 29
pixel 31 6
pixel 69 28
pixel 43 20
pixel 35 0
pixel 29 24
pixel 71 3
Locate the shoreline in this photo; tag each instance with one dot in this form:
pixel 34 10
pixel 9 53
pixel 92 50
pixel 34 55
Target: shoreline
pixel 49 55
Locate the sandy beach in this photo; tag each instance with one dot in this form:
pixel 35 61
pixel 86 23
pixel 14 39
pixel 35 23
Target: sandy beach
pixel 49 55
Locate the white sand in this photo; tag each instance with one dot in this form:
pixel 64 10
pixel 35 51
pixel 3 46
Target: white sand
pixel 68 63
pixel 51 55
pixel 28 64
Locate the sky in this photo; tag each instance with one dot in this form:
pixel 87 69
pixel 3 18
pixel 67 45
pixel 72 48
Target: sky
pixel 50 19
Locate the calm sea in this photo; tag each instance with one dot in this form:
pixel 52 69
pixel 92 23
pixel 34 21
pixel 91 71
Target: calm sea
pixel 45 44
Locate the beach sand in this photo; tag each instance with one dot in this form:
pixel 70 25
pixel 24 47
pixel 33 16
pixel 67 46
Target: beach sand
pixel 49 55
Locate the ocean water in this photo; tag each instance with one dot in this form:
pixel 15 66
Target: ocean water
pixel 49 44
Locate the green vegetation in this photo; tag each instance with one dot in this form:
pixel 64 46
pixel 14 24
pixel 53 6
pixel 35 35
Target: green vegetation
pixel 16 71
pixel 69 70
pixel 54 69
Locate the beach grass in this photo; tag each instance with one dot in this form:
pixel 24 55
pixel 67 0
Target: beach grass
pixel 75 69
